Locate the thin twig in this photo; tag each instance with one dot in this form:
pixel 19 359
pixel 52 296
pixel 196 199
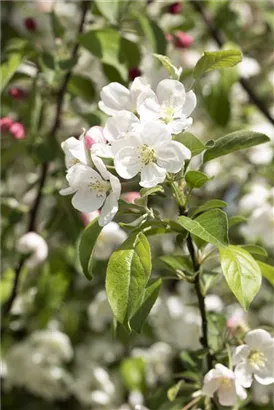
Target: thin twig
pixel 218 37
pixel 45 166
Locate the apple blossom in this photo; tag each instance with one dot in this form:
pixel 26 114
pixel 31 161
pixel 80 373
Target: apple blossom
pixel 34 244
pixel 256 357
pixel 151 152
pixel 96 142
pixel 115 97
pixel 223 381
pixel 75 152
pixel 93 190
pixel 170 104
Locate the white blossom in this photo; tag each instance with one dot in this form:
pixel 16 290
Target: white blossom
pixel 99 312
pixel 115 97
pixel 34 244
pixel 256 357
pixel 75 152
pixel 93 190
pixel 260 225
pixel 223 381
pixel 153 153
pixel 97 143
pixel 170 104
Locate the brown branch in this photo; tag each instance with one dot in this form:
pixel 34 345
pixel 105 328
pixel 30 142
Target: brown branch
pixel 45 166
pixel 218 37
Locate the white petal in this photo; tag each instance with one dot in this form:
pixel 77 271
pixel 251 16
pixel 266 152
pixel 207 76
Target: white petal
pixel 256 338
pixel 79 175
pixel 138 86
pixel 87 201
pixel 74 148
pixel 211 383
pixel 190 103
pixel 240 354
pixel 67 191
pixel 96 134
pixel 171 156
pixel 151 175
pixel 243 374
pixel 240 391
pixel 171 93
pixel 179 125
pixel 102 150
pixel 224 371
pixel 115 97
pixel 115 185
pixel 154 133
pixel 127 163
pixel 109 210
pixel 227 396
pixel 120 125
pixel 98 162
pixel 264 380
pixel 148 107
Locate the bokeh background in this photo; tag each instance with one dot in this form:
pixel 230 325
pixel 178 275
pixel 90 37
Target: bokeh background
pixel 58 349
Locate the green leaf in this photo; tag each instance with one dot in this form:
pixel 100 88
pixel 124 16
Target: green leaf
pixel 132 371
pixel 177 263
pixel 234 141
pixel 128 272
pixel 174 390
pixel 267 271
pixel 174 72
pixel 242 273
pixel 196 179
pixel 255 250
pixel 151 191
pixel 81 86
pixel 153 34
pixel 150 296
pixel 217 104
pixel 9 68
pixel 236 220
pixel 86 246
pixel 210 227
pixel 109 9
pixel 211 204
pixel 212 60
pixel 57 27
pixel 191 142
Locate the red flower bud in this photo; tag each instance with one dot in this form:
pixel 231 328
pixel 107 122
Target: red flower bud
pixel 133 73
pixel 5 124
pixel 182 40
pixel 17 130
pixel 17 93
pixel 30 24
pixel 175 8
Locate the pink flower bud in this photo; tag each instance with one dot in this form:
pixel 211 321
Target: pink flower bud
pixel 175 8
pixel 133 73
pixel 5 124
pixel 30 24
pixel 131 196
pixel 17 93
pixel 17 130
pixel 182 40
pixel 88 217
pixel 88 142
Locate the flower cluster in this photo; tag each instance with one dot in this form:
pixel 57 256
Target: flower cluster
pixel 138 137
pixel 254 358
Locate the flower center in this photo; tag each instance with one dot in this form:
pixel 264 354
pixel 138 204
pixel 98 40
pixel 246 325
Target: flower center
pixel 256 359
pixel 167 114
pixel 101 187
pixel 147 154
pixel 226 382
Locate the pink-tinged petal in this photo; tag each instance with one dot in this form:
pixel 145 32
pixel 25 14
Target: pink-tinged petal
pixel 171 93
pixel 190 103
pixel 241 353
pixel 108 210
pixel 171 156
pixel 256 338
pixel 86 200
pixel 227 396
pixel 154 134
pixel 152 175
pixel 243 374
pixel 115 97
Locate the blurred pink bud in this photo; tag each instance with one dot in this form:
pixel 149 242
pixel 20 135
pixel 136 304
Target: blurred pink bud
pixel 169 37
pixel 133 73
pixel 175 8
pixel 17 93
pixel 182 40
pixel 5 124
pixel 89 142
pixel 30 24
pixel 131 196
pixel 88 217
pixel 17 130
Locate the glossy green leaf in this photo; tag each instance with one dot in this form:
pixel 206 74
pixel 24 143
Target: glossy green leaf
pixel 234 142
pixel 211 227
pixel 81 86
pixel 9 68
pixel 236 220
pixel 212 60
pixel 211 204
pixel 174 72
pixel 153 33
pixel 255 250
pixel 149 298
pixel 193 143
pixel 177 263
pixel 86 246
pixel 267 271
pixel 128 272
pixel 196 179
pixel 109 9
pixel 174 390
pixel 242 273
